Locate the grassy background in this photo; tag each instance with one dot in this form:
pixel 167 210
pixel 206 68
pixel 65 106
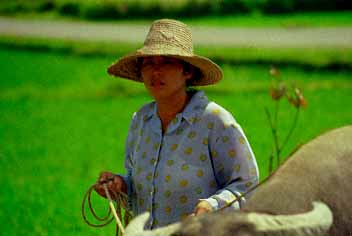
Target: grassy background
pixel 307 58
pixel 63 120
pixel 150 9
pixel 293 20
pixel 298 19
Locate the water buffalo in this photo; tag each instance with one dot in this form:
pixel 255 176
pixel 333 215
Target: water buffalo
pixel 310 194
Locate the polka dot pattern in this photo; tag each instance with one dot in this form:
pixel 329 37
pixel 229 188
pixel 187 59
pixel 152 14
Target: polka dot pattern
pixel 202 148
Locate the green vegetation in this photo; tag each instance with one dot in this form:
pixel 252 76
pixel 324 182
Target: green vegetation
pixel 308 58
pixel 151 9
pixel 63 120
pixel 293 20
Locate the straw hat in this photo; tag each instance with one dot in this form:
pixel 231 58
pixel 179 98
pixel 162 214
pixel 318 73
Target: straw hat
pixel 167 38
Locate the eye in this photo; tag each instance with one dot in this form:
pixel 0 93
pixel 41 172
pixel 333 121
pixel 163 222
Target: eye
pixel 147 63
pixel 169 61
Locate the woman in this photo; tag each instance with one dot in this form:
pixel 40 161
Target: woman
pixel 185 155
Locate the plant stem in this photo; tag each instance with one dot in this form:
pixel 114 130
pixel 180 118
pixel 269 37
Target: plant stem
pixel 271 160
pixel 291 130
pixel 274 133
pixel 276 113
pixel 276 136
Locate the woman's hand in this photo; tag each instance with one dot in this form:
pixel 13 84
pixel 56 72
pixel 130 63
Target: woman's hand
pixel 201 208
pixel 115 184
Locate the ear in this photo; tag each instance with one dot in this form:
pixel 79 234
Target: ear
pixel 188 74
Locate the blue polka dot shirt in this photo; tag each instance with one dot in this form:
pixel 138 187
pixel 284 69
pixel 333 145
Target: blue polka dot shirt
pixel 203 155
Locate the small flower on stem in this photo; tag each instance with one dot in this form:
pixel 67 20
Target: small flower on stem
pixel 294 97
pixel 277 92
pixel 297 99
pixel 275 72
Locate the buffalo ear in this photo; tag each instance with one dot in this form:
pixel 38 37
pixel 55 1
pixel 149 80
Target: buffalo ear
pixel 136 226
pixel 315 222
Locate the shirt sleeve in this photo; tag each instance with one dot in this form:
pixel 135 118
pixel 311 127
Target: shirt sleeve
pixel 129 147
pixel 235 167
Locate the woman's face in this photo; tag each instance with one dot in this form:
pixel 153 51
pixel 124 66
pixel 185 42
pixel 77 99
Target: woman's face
pixel 164 77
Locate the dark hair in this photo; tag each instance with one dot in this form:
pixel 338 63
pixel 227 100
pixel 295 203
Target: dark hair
pixel 197 74
pixel 187 68
pixel 139 62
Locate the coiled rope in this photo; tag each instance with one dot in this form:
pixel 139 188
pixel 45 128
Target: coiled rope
pixel 120 200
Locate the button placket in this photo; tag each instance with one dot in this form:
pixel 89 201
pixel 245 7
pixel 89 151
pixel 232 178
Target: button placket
pixel 152 190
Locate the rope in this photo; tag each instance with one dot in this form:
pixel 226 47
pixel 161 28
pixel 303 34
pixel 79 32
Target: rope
pixel 121 203
pixel 120 199
pixel 112 207
pixel 242 195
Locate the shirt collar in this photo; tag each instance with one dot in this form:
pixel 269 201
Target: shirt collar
pixel 152 110
pixel 195 107
pixel 190 113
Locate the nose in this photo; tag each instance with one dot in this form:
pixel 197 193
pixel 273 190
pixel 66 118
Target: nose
pixel 156 68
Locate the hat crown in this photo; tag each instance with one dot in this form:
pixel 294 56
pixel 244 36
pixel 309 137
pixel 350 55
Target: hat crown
pixel 169 38
pixel 170 35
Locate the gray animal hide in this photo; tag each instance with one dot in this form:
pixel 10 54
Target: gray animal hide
pixel 320 171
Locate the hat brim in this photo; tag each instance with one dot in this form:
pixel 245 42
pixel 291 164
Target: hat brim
pixel 127 67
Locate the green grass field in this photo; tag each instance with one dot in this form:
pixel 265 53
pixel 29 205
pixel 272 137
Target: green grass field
pixel 255 19
pixel 309 58
pixel 63 120
pixel 307 19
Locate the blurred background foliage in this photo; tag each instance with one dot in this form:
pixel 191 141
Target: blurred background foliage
pixel 119 9
pixel 63 119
